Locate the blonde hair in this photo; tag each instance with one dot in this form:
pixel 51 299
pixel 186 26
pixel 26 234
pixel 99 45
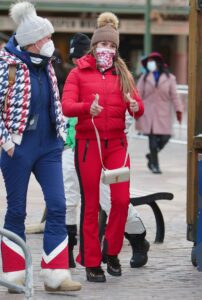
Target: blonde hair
pixel 127 83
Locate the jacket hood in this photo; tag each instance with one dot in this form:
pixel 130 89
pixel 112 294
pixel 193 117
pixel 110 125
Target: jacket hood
pixel 13 47
pixel 86 61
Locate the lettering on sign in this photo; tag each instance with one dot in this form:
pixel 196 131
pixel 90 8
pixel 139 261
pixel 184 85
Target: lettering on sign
pixel 127 26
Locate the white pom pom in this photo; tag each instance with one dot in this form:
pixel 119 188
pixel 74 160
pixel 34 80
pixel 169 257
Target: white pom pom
pixel 20 10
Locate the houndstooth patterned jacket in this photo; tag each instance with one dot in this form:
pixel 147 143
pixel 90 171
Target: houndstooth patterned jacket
pixel 14 115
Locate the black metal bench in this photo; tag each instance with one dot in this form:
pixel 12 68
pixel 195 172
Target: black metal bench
pixel 150 200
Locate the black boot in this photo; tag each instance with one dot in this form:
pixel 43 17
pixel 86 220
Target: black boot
pixel 140 247
pixel 72 234
pixel 149 163
pixel 113 264
pixel 154 163
pixel 95 274
pixel 112 261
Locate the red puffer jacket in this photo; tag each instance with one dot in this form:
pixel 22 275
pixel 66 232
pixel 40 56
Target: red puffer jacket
pixel 82 83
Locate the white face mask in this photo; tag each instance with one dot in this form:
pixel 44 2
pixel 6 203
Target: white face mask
pixel 47 49
pixel 151 66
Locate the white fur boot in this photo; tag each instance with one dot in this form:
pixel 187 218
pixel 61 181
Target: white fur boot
pixel 17 277
pixel 59 280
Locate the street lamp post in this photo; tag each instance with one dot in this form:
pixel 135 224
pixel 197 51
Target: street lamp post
pixel 147 35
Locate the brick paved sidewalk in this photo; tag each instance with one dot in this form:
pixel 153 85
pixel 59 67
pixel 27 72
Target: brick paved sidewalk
pixel 168 274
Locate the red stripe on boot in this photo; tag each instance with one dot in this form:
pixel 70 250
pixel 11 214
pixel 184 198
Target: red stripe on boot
pixel 61 261
pixel 11 260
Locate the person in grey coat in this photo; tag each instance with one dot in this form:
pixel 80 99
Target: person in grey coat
pixel 157 87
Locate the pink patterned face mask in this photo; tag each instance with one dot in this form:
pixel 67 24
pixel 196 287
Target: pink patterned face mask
pixel 104 58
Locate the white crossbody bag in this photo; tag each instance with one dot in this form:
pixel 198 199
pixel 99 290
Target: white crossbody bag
pixel 115 175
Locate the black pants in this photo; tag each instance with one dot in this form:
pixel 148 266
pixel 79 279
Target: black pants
pixel 156 143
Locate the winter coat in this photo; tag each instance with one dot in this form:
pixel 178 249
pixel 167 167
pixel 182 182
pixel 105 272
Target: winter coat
pixel 80 88
pixel 15 114
pixel 71 132
pixel 159 102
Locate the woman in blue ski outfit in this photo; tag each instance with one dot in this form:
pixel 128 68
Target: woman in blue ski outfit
pixel 32 133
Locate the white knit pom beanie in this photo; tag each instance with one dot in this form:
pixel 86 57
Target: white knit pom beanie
pixel 30 27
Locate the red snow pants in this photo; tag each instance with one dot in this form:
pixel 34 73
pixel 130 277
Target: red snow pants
pixel 89 167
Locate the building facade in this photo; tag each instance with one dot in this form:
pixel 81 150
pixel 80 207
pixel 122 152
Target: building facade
pixel 169 27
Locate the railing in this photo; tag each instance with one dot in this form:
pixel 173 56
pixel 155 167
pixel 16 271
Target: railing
pixel 180 130
pixel 28 288
pixel 182 89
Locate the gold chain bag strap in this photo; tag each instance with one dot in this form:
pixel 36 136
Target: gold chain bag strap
pixel 115 175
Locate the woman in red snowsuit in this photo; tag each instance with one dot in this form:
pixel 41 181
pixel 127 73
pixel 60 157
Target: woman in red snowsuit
pixel 102 73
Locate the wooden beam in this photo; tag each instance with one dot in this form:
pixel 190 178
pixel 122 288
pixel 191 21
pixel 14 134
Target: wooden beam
pixel 194 116
pixel 119 7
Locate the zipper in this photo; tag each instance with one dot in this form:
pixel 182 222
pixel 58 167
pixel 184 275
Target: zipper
pixel 86 149
pixel 105 95
pixel 40 99
pixel 106 144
